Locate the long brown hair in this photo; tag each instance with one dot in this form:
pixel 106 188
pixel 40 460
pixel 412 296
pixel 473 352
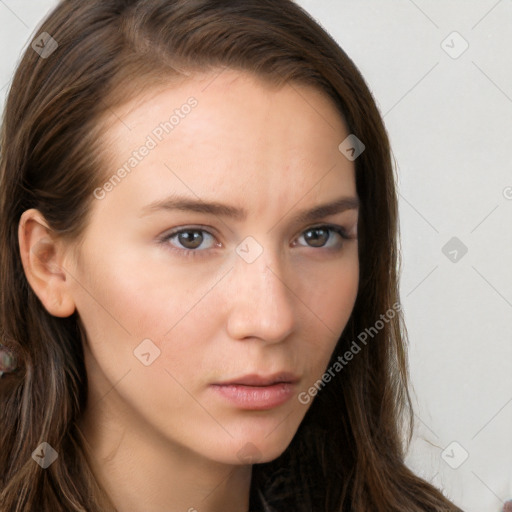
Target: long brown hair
pixel 348 454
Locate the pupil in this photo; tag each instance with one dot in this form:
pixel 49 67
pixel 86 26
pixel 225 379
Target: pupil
pixel 190 239
pixel 317 237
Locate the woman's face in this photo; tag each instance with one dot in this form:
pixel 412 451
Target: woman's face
pixel 201 265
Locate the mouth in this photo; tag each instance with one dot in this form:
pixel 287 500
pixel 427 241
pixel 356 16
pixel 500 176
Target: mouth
pixel 262 381
pixel 257 392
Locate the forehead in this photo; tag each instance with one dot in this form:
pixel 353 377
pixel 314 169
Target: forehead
pixel 230 131
pixel 226 100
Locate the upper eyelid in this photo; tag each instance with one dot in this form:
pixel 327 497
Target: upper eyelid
pixel 178 230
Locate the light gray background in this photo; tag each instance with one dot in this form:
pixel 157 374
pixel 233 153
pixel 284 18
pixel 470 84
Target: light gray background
pixel 450 125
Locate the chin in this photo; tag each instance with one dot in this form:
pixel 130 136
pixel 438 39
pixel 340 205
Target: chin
pixel 257 449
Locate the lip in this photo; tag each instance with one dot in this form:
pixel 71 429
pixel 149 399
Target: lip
pixel 257 392
pixel 260 380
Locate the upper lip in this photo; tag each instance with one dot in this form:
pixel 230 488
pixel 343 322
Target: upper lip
pixel 262 380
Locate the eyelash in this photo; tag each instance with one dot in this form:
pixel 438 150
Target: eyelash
pixel 194 253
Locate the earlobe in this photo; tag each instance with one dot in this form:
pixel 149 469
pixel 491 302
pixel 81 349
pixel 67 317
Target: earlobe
pixel 42 256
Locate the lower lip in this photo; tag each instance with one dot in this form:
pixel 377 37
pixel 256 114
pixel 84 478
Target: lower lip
pixel 256 398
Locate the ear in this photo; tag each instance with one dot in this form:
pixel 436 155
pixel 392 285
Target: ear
pixel 43 256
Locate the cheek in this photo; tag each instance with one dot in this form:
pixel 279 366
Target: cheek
pixel 138 311
pixel 328 297
pixel 136 291
pixel 134 304
pixel 329 292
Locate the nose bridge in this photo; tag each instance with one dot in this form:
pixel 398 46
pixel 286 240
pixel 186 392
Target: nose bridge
pixel 263 303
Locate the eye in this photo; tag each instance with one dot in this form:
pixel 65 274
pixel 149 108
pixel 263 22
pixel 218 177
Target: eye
pixel 190 239
pixel 324 236
pixel 195 241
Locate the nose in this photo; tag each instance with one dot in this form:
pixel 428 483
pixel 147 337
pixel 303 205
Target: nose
pixel 261 300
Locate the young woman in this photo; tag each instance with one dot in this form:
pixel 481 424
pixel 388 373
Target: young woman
pixel 199 291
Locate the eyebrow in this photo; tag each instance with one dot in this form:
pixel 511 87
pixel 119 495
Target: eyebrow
pixel 183 203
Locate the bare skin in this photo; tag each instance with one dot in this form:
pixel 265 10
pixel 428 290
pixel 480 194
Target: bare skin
pixel 161 436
